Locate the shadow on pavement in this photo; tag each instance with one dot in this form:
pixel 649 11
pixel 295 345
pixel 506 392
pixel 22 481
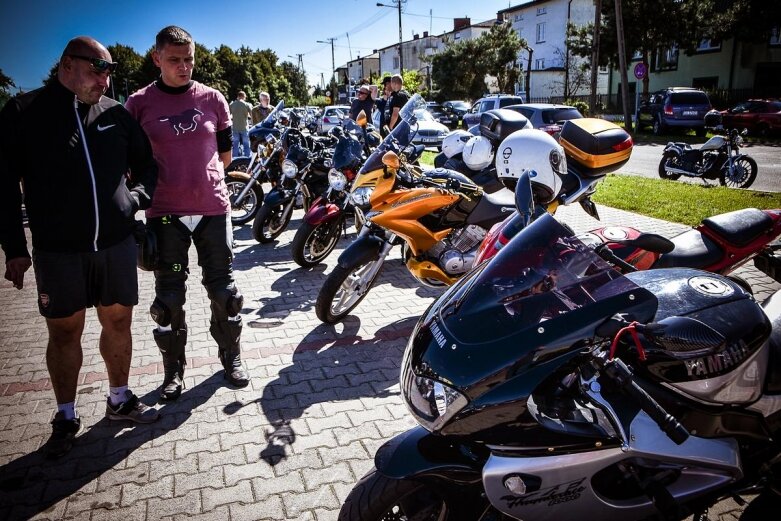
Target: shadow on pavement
pixel 319 375
pixel 31 484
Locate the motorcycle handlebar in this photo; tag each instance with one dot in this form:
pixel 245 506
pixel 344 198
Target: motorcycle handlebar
pixel 619 373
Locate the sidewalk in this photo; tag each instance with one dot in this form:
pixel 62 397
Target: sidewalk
pixel 288 447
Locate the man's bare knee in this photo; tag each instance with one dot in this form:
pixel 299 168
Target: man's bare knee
pixel 116 317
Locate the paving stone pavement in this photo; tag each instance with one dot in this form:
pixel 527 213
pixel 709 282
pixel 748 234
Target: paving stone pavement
pixel 288 447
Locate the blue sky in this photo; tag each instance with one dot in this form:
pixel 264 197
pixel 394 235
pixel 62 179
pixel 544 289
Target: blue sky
pixel 34 32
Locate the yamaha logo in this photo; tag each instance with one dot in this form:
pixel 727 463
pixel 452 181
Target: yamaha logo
pixel 710 286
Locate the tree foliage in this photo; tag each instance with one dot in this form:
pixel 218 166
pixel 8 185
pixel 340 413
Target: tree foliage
pixel 459 72
pixel 6 83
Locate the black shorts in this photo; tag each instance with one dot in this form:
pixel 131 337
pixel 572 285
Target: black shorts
pixel 70 282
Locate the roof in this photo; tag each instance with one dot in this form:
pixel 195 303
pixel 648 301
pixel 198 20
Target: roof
pixel 521 6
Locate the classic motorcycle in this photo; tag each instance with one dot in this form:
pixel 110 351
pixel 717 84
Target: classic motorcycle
pixel 326 218
pixel 245 175
pixel 719 158
pixel 302 178
pixel 439 217
pixel 547 385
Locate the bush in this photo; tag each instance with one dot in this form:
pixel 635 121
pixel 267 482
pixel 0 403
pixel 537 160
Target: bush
pixel 581 105
pixel 319 101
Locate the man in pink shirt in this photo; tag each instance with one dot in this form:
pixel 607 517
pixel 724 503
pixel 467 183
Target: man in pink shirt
pixel 189 127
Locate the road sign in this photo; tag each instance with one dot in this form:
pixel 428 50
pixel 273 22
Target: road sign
pixel 641 71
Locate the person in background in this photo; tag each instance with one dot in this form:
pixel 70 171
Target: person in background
pixel 399 98
pixel 262 109
pixel 362 102
pixel 189 127
pixel 381 102
pixel 240 112
pixel 81 211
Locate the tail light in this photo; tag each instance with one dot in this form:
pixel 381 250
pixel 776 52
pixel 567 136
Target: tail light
pixel 326 120
pixel 627 143
pixel 551 129
pixel 668 110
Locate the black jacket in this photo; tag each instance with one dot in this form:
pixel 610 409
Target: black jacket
pixel 69 209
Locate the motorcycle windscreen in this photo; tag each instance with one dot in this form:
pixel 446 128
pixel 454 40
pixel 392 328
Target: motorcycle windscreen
pixel 347 151
pixel 400 136
pixel 543 277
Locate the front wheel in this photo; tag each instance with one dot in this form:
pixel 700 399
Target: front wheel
pixel 314 242
pixel 377 498
pixel 271 221
pixel 246 211
pixel 668 160
pixel 741 175
pixel 344 289
pixel 659 127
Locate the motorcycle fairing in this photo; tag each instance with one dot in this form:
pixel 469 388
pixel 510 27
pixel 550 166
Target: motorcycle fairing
pixel 278 195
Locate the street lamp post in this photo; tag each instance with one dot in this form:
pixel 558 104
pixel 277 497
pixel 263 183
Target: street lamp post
pixel 333 62
pixel 401 54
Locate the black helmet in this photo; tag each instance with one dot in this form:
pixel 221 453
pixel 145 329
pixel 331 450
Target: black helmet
pixel 713 119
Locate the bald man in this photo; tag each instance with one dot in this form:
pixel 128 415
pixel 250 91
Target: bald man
pixel 81 208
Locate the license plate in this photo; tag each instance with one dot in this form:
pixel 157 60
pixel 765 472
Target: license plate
pixel 689 112
pixel 429 140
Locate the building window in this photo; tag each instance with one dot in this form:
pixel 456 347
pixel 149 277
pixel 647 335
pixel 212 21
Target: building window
pixel 539 64
pixel 636 56
pixel 775 36
pixel 708 45
pixel 706 83
pixel 540 32
pixel 518 17
pixel 603 69
pixel 666 59
pixel 395 62
pixel 541 10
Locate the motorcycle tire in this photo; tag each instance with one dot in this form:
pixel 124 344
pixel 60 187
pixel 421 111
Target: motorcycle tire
pixel 745 173
pixel 270 222
pixel 314 242
pixel 344 289
pixel 376 497
pixel 659 127
pixel 238 165
pixel 249 207
pixel 765 506
pixel 663 173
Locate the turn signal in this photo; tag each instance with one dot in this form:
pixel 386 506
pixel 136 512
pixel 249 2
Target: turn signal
pixel 391 160
pixel 627 143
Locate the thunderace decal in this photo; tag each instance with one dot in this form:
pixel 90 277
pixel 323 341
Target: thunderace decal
pixel 183 122
pixel 561 493
pixel 712 364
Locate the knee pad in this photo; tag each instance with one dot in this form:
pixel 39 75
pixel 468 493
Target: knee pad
pixel 165 315
pixel 228 301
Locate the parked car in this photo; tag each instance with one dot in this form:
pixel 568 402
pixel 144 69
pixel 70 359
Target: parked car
pixel 441 115
pixel 548 117
pixel 759 117
pixel 430 132
pixel 675 107
pixel 332 117
pixel 494 101
pixel 457 107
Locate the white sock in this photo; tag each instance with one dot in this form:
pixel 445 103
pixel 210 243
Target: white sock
pixel 67 409
pixel 116 395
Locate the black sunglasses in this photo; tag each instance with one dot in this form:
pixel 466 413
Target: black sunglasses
pixel 97 64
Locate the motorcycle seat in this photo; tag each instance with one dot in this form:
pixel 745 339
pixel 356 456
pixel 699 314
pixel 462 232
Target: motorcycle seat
pixel 741 226
pixel 492 208
pixel 692 250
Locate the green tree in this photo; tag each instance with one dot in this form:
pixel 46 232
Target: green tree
pixel 6 84
pixel 127 78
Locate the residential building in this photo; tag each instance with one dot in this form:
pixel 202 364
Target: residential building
pixel 366 67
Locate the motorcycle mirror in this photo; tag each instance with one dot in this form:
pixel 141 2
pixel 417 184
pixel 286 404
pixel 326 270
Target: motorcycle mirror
pixel 391 160
pixel 524 200
pixel 650 242
pixel 361 119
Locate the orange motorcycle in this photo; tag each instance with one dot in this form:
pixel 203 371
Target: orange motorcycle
pixel 439 218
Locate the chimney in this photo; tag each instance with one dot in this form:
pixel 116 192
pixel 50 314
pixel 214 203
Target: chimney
pixel 425 34
pixel 415 36
pixel 461 23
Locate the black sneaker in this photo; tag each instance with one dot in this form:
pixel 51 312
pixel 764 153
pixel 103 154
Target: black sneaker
pixel 63 433
pixel 131 409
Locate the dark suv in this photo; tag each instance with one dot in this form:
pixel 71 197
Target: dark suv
pixel 674 107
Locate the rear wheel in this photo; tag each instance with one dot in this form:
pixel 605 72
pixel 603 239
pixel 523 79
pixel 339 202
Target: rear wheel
pixel 764 506
pixel 246 211
pixel 270 222
pixel 314 242
pixel 669 160
pixel 345 288
pixel 659 127
pixel 742 174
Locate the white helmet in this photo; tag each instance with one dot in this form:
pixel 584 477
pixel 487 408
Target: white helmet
pixel 478 153
pixel 453 144
pixel 537 152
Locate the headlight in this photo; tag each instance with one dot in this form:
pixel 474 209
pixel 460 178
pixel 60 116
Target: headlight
pixel 738 141
pixel 337 180
pixel 431 402
pixel 360 196
pixel 289 168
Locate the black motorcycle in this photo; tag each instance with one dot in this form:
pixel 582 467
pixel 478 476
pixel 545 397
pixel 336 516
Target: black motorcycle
pixel 303 176
pixel 547 385
pixel 719 158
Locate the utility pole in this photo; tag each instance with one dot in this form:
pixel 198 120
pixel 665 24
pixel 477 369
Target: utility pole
pixel 595 55
pixel 397 5
pixel 622 66
pixel 333 62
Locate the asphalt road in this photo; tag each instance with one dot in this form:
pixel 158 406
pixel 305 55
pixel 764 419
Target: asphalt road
pixel 646 156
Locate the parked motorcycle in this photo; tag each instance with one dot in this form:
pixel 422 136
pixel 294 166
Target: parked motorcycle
pixel 439 218
pixel 245 175
pixel 326 218
pixel 719 158
pixel 547 385
pixel 303 176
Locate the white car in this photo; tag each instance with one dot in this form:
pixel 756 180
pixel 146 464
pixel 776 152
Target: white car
pixel 332 117
pixel 430 131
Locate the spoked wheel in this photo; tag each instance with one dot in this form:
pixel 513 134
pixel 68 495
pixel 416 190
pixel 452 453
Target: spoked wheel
pixel 344 288
pixel 314 242
pixel 244 212
pixel 378 498
pixel 742 175
pixel 668 161
pixel 271 222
